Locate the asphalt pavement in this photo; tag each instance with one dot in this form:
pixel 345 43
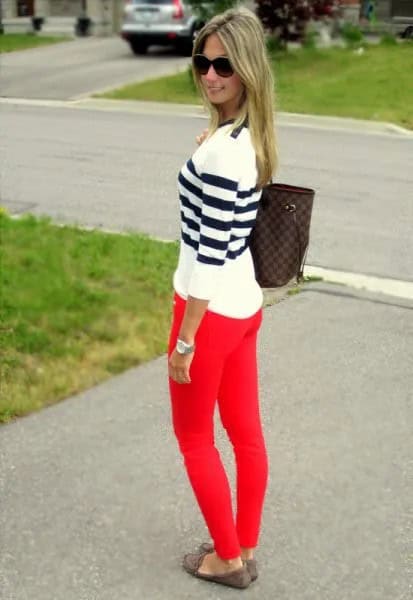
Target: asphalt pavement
pixel 109 165
pixel 95 504
pixel 81 66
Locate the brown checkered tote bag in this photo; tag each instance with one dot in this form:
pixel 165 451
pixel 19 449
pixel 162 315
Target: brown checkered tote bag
pixel 280 237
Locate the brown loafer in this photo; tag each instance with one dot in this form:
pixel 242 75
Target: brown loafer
pixel 251 562
pixel 239 578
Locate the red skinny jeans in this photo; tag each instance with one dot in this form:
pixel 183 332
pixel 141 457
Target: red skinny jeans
pixel 224 369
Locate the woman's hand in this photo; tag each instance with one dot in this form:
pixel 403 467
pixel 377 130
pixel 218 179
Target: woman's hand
pixel 202 137
pixel 179 365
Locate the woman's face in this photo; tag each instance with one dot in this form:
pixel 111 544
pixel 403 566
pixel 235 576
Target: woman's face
pixel 226 92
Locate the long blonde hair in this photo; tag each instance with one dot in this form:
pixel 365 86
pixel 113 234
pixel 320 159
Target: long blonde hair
pixel 242 36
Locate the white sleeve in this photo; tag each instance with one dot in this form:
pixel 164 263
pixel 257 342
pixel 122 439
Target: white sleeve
pixel 221 172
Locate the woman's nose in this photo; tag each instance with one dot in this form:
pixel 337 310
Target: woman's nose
pixel 211 75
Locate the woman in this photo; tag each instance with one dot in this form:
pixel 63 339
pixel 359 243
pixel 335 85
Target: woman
pixel 218 303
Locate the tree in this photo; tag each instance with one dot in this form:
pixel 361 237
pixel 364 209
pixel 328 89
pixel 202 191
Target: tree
pixel 288 19
pixel 206 10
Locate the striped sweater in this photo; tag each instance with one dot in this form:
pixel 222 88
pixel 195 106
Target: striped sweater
pixel 219 202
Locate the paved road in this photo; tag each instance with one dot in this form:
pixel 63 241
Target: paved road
pixel 79 67
pixel 118 170
pixel 96 506
pixel 94 500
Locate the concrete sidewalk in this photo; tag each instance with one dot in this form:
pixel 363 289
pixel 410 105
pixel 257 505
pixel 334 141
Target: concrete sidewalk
pixel 95 504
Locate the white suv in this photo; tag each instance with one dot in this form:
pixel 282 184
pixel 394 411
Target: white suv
pixel 163 22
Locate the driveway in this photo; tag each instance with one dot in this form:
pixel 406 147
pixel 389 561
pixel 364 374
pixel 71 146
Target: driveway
pixel 79 67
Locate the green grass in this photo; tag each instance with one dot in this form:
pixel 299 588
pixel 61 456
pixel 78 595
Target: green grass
pixel 172 88
pixel 76 308
pixel 375 85
pixel 9 42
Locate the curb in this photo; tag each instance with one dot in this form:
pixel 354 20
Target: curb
pixel 195 110
pixel 399 288
pixel 361 281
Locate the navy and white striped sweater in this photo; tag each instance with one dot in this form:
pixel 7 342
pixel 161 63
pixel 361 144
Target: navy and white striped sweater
pixel 219 201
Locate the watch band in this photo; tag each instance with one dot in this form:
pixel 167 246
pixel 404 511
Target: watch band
pixel 184 348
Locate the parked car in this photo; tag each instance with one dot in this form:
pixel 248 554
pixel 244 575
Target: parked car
pixel 402 18
pixel 163 22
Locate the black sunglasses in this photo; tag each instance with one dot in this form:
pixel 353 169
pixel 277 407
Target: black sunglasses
pixel 222 66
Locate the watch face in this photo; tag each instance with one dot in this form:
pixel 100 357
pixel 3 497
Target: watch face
pixel 183 348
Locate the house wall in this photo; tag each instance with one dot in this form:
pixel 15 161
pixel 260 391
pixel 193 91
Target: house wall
pixel 9 9
pixel 64 8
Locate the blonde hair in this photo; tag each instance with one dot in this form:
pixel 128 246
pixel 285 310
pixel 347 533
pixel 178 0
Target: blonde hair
pixel 242 36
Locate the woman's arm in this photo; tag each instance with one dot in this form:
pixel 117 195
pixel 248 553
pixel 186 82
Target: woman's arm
pixel 179 364
pixel 194 312
pixel 220 176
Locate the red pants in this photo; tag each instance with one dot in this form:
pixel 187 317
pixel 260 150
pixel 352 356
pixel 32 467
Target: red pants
pixel 224 368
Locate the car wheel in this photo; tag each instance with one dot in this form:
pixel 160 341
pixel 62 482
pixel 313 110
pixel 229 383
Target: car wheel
pixel 138 47
pixel 184 47
pixel 408 33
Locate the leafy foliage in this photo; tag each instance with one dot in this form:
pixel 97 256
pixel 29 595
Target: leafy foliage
pixel 206 10
pixel 288 19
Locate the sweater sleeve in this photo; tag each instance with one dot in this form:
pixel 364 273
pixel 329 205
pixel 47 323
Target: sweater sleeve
pixel 220 176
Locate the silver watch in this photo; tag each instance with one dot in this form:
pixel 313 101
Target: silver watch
pixel 184 348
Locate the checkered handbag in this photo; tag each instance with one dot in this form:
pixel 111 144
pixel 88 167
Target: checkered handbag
pixel 280 237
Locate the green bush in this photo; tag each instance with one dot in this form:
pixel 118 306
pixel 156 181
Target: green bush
pixel 206 10
pixel 352 35
pixel 388 40
pixel 309 41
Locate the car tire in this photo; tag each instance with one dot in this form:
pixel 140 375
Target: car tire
pixel 184 47
pixel 408 33
pixel 138 47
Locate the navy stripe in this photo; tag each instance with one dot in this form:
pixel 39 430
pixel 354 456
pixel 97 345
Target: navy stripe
pixel 231 254
pixel 242 224
pixel 220 182
pixel 191 224
pixel 191 168
pixel 188 240
pixel 190 186
pixel 208 260
pixel 216 223
pixel 237 131
pixel 217 203
pixel 246 193
pixel 243 209
pixel 188 204
pixel 211 243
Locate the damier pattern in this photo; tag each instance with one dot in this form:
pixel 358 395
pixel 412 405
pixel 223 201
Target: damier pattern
pixel 280 238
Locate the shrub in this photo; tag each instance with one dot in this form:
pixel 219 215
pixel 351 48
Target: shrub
pixel 388 40
pixel 206 10
pixel 288 19
pixel 352 35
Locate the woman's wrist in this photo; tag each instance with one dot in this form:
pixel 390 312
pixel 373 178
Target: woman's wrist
pixel 187 338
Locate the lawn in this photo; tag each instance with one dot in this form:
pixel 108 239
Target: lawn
pixel 9 42
pixel 76 307
pixel 372 83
